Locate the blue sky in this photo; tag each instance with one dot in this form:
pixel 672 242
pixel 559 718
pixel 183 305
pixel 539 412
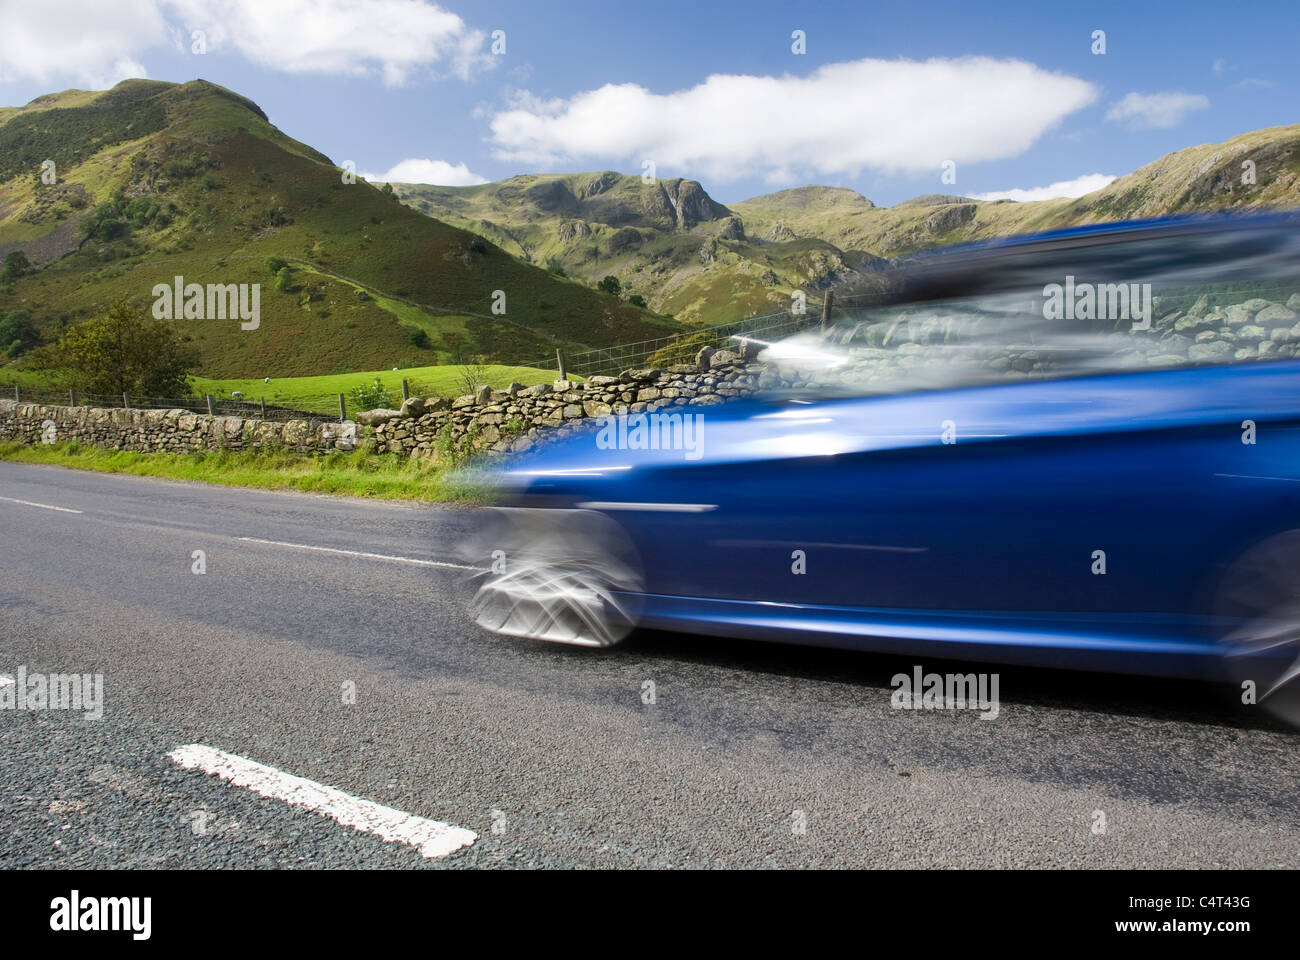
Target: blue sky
pixel 884 94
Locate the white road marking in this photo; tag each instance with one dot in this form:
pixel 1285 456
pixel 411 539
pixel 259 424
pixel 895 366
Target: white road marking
pixel 431 837
pixel 658 507
pixel 43 506
pixel 358 553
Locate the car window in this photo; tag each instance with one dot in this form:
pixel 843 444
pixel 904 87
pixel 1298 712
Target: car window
pixel 1109 305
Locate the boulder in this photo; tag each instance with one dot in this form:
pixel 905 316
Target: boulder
pixel 373 418
pixel 412 407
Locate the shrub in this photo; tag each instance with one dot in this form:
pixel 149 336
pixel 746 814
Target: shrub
pixel 369 396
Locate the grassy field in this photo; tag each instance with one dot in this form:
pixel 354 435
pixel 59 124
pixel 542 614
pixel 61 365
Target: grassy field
pixel 440 381
pixel 310 393
pixel 357 474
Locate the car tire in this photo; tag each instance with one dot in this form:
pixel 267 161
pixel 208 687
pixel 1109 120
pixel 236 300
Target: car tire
pixel 563 576
pixel 1258 610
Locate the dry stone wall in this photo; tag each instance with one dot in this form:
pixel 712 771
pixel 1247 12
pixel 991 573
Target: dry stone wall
pixel 167 431
pixel 494 421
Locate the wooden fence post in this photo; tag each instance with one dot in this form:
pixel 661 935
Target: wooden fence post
pixel 827 303
pixel 343 408
pixel 211 411
pixel 18 394
pixel 264 408
pixel 406 390
pixel 72 397
pixel 559 360
pixel 126 401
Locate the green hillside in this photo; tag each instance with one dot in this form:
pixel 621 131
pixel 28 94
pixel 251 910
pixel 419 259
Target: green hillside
pixel 157 180
pixel 668 241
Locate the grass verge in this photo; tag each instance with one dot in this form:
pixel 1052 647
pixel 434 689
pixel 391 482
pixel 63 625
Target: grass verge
pixel 358 474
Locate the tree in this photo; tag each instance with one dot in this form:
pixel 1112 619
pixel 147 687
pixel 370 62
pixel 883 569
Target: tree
pixel 610 285
pixel 637 300
pixel 17 334
pixel 419 337
pixel 275 264
pixel 123 351
pixel 283 278
pixel 16 264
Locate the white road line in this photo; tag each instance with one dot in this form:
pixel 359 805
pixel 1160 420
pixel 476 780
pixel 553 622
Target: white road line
pixel 358 553
pixel 656 507
pixel 43 506
pixel 431 837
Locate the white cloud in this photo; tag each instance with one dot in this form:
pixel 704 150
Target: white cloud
pixel 438 172
pixel 96 44
pixel 884 115
pixel 391 38
pixel 1141 111
pixel 1220 66
pixel 86 42
pixel 1062 188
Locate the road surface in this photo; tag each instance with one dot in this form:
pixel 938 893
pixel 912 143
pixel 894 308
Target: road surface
pixel 325 664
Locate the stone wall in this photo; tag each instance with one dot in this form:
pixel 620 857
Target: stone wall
pixel 170 431
pixel 517 419
pixel 494 421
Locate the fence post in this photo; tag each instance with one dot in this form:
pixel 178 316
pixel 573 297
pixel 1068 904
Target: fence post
pixel 211 412
pixel 827 302
pixel 343 408
pixel 264 408
pixel 72 397
pixel 126 401
pixel 559 360
pixel 406 390
pixel 18 394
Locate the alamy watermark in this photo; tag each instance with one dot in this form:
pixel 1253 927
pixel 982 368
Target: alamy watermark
pixel 653 431
pixel 951 691
pixel 53 691
pixel 217 301
pixel 1098 301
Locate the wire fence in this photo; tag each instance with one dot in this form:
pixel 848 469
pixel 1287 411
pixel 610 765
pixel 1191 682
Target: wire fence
pixel 682 347
pixel 315 409
pixel 607 361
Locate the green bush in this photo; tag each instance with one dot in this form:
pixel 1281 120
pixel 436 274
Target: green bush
pixel 369 396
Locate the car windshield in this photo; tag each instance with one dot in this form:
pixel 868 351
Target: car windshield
pixel 1218 294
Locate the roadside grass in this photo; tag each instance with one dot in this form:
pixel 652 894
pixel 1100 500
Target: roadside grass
pixel 358 474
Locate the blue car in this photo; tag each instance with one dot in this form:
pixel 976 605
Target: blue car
pixel 1078 449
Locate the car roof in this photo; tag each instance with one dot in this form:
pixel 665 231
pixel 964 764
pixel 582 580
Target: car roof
pixel 1219 244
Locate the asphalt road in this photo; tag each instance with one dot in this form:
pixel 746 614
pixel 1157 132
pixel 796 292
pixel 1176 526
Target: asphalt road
pixel 750 755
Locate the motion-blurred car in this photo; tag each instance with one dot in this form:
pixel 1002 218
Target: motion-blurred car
pixel 1078 449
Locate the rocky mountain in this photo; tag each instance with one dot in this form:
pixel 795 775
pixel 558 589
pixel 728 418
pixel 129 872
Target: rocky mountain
pixel 109 194
pixel 668 241
pixel 1207 177
pixel 706 263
